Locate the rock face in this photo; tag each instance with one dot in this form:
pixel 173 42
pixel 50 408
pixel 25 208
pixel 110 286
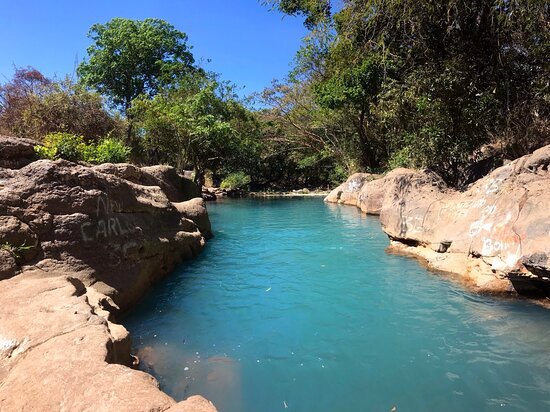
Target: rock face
pixel 80 245
pixel 496 234
pixel 15 152
pixel 348 193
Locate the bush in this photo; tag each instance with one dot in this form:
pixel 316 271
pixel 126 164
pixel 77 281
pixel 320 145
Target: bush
pixel 401 158
pixel 111 150
pixel 237 180
pixel 62 146
pixel 31 105
pixel 71 147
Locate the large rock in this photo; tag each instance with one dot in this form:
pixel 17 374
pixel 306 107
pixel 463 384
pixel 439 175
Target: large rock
pixel 502 221
pixel 372 194
pixel 79 245
pixel 121 235
pixel 348 192
pixel 176 187
pixel 16 152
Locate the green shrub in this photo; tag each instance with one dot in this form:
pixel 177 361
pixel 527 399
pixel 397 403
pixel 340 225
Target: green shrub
pixel 237 180
pixel 400 158
pixel 16 251
pixel 111 150
pixel 71 147
pixel 89 153
pixel 62 146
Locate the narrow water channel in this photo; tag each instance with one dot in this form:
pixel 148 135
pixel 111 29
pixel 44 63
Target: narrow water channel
pixel 294 305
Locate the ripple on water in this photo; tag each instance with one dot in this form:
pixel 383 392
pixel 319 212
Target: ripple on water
pixel 295 304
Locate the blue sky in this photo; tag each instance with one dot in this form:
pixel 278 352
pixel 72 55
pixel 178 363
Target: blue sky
pixel 246 43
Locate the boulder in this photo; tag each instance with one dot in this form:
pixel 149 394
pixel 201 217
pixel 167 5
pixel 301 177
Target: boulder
pixel 373 192
pixel 502 221
pixel 348 192
pixel 176 187
pixel 16 152
pixel 125 233
pixel 208 195
pixel 195 210
pixel 8 265
pixel 193 404
pixel 80 245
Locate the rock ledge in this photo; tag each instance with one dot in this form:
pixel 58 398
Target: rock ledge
pixel 80 245
pixel 496 234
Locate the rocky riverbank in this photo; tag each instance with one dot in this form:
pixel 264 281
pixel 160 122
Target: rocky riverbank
pixel 80 245
pixel 495 235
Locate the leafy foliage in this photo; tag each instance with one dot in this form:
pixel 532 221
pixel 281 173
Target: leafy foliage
pixel 424 84
pixel 111 150
pixel 197 124
pixel 315 11
pixel 62 146
pixel 73 148
pixel 236 180
pixel 133 57
pixel 32 106
pixel 16 251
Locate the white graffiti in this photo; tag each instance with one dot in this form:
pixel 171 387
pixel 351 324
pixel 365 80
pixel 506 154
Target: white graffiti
pixel 493 186
pixel 7 344
pixel 480 225
pixel 510 252
pixel 354 185
pixel 414 222
pixel 104 229
pixel 107 227
pixel 491 246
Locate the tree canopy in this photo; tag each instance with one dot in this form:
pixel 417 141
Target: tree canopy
pixel 377 84
pixel 133 57
pixel 197 124
pixel 315 11
pixel 425 83
pixel 32 105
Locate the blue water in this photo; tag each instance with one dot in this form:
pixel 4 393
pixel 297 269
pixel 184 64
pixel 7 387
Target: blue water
pixel 294 305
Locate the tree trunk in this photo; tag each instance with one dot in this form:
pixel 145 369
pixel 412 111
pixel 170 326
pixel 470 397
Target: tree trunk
pixel 366 150
pixel 199 177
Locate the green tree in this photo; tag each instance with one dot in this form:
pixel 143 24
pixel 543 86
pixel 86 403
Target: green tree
pixel 197 124
pixel 315 11
pixel 429 82
pixel 130 58
pixel 356 88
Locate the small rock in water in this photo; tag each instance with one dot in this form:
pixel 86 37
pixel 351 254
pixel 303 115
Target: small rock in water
pixel 186 368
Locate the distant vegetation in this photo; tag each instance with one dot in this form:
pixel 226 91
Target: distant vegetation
pixel 376 84
pixel 73 147
pixel 385 83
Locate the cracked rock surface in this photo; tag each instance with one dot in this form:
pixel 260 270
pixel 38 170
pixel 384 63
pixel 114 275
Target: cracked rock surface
pixel 496 234
pixel 80 245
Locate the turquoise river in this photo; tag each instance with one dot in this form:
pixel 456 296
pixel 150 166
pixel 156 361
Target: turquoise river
pixel 295 305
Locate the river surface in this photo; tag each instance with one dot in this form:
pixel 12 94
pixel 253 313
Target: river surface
pixel 294 305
